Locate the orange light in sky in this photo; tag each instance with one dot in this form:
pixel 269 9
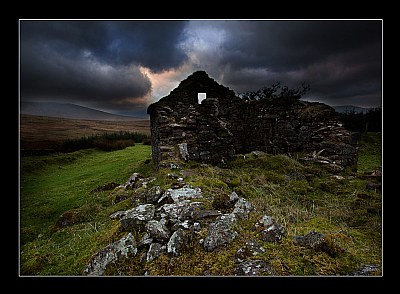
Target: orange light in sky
pixel 164 82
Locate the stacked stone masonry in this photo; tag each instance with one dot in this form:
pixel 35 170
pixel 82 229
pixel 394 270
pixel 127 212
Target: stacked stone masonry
pixel 224 125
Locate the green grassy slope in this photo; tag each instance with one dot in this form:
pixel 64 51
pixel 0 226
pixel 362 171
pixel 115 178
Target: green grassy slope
pixel 300 197
pixel 51 185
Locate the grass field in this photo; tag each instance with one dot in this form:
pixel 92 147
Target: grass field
pixel 343 209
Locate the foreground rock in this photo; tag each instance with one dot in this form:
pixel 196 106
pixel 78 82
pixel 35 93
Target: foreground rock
pixel 123 248
pixel 168 222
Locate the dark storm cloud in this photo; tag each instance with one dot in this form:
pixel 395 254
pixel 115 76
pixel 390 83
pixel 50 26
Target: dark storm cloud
pixel 148 43
pixel 287 45
pixel 340 59
pixel 46 74
pixel 95 62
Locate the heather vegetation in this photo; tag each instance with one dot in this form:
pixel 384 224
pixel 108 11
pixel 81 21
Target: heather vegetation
pixel 105 141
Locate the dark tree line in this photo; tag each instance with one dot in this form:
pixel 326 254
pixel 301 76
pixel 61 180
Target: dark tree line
pixel 370 121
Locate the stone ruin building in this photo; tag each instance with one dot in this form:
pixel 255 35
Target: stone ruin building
pixel 224 125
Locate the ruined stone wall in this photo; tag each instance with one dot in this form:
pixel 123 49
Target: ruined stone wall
pixel 224 125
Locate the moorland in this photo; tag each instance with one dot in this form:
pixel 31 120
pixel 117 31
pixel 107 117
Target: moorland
pixel 302 197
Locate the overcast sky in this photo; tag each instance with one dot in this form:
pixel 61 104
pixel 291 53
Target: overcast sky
pixel 123 66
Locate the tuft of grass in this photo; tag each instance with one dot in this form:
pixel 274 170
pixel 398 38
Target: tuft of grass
pixel 370 153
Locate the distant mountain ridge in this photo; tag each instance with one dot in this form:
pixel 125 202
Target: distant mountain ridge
pixel 69 110
pixel 74 111
pixel 351 108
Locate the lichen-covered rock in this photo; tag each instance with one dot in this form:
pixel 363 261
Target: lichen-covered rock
pixel 155 250
pixel 254 268
pixel 178 242
pixel 265 222
pixel 157 230
pixel 133 181
pixel 205 213
pixel 152 195
pixel 320 242
pixel 312 240
pixel 137 217
pixel 273 233
pixel 145 240
pixel 220 232
pixel 251 248
pixel 183 151
pixel 367 270
pixel 118 214
pixel 234 197
pixel 180 211
pixel 269 229
pixel 123 248
pixel 185 193
pixel 242 208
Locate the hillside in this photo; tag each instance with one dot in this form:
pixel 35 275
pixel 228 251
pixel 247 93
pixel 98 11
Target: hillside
pixel 69 110
pixel 289 218
pixel 48 133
